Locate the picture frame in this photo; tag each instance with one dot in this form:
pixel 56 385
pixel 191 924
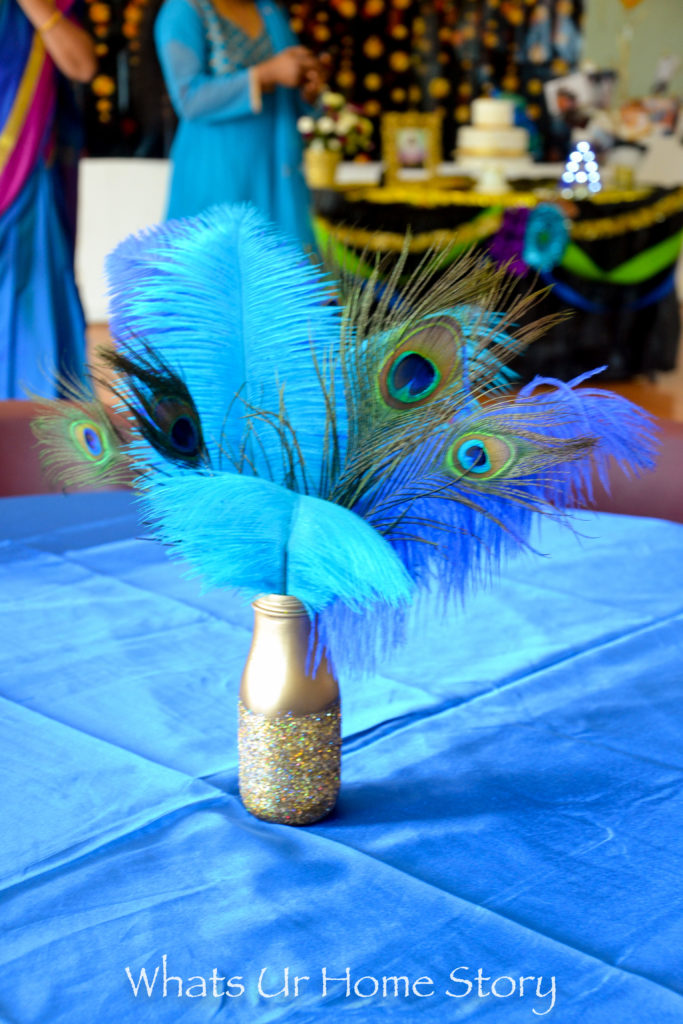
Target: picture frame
pixel 569 95
pixel 411 145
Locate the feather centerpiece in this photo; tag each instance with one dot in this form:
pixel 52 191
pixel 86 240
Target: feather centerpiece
pixel 299 431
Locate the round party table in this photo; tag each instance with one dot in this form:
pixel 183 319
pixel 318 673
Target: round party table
pixel 507 845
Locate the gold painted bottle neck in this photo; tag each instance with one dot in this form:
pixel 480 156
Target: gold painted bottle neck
pixel 279 674
pixel 279 604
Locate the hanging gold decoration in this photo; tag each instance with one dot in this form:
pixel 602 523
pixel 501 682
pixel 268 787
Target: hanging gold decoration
pixel 103 85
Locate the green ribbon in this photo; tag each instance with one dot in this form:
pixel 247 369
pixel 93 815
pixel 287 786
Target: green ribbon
pixel 344 257
pixel 639 268
pixel 350 261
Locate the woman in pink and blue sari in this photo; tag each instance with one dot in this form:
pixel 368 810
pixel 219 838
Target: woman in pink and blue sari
pixel 42 330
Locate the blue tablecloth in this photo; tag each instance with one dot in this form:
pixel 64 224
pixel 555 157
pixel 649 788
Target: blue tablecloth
pixel 511 804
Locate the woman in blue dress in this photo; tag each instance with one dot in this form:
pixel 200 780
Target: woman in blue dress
pixel 234 71
pixel 42 330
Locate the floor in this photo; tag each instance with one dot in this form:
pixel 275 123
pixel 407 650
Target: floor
pixel 662 397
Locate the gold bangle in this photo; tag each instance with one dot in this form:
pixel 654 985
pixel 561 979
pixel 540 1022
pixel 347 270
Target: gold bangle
pixel 51 21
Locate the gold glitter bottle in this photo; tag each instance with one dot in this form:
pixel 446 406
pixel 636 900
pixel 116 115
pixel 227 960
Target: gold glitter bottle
pixel 289 720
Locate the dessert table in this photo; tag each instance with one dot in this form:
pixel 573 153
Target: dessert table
pixel 507 844
pixel 616 277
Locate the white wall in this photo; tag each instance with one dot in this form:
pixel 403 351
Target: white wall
pixel 631 41
pixel 115 198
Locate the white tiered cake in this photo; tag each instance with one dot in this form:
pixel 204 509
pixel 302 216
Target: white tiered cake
pixel 493 145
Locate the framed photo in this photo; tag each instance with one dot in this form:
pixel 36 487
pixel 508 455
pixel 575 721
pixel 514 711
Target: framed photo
pixel 411 145
pixel 568 96
pixel 662 112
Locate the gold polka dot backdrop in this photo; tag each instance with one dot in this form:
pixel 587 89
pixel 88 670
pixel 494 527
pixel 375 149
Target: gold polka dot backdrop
pixel 126 106
pixel 442 54
pixel 386 55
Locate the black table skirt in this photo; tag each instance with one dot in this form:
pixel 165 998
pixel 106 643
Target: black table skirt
pixel 632 329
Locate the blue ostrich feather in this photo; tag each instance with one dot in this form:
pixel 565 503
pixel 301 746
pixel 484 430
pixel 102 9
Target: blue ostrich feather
pixel 354 452
pixel 250 533
pixel 623 432
pixel 238 309
pixel 451 526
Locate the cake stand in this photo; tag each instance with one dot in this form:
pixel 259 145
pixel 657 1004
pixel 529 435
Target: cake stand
pixel 492 173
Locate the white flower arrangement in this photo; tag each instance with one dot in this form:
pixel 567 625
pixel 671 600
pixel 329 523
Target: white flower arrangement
pixel 339 127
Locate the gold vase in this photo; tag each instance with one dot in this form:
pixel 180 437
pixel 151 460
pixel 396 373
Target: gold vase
pixel 289 733
pixel 320 167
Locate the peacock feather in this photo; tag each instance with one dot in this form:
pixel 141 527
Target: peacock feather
pixel 80 443
pixel 300 431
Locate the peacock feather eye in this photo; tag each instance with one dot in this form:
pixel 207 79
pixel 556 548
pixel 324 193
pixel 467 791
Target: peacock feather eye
pixel 423 363
pixel 88 436
pixel 473 456
pixel 162 405
pixel 479 456
pixel 171 424
pixel 412 377
pixel 179 423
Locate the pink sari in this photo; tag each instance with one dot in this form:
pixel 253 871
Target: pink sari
pixel 25 133
pixel 42 331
